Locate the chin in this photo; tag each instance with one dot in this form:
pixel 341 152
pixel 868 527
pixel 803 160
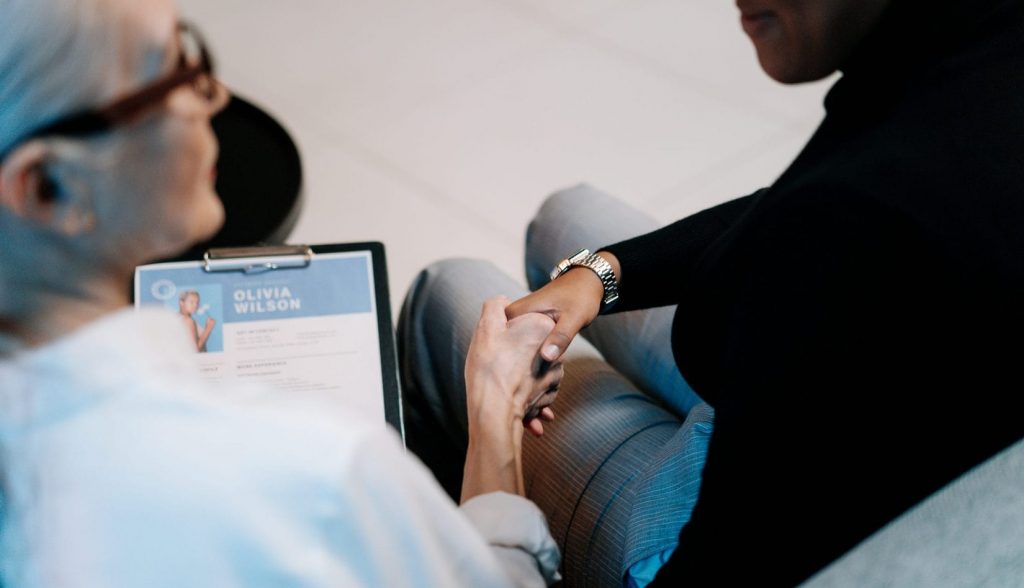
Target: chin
pixel 792 71
pixel 210 220
pixel 185 229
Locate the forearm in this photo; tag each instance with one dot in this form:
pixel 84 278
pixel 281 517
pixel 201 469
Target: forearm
pixel 652 268
pixel 503 381
pixel 493 464
pixel 204 337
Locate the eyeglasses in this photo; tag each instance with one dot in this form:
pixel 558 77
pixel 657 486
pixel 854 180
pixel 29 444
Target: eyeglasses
pixel 194 67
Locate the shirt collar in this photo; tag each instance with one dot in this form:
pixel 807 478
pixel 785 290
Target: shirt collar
pixel 121 352
pixel 912 38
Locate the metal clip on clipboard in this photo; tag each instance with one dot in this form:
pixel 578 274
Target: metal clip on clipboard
pixel 256 260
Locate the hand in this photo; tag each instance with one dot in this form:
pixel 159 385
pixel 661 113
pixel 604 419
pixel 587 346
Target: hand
pixel 209 323
pixel 505 378
pixel 573 301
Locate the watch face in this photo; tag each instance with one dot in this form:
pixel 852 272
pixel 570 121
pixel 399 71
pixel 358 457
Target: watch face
pixel 580 256
pixel 564 265
pixel 561 268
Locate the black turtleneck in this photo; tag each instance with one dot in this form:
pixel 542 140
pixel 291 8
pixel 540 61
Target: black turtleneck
pixel 857 326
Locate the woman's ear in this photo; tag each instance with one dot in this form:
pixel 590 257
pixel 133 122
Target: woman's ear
pixel 19 179
pixel 29 190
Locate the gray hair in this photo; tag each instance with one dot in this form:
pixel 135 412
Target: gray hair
pixel 57 57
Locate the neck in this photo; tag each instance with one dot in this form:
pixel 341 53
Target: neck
pixel 47 314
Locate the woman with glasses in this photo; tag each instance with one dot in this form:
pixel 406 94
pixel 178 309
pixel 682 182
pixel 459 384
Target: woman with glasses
pixel 120 467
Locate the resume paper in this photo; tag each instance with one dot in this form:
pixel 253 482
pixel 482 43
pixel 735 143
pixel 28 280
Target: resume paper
pixel 307 330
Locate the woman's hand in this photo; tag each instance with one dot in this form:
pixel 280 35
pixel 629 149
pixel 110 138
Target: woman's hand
pixel 504 374
pixel 505 381
pixel 573 301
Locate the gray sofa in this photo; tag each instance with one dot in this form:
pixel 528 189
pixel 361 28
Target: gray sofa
pixel 969 534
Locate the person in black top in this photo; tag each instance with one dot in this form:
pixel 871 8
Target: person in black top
pixel 872 295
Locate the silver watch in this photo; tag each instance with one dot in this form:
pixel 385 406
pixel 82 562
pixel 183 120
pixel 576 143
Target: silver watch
pixel 596 264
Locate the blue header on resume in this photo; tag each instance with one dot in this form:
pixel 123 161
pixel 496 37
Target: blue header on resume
pixel 327 287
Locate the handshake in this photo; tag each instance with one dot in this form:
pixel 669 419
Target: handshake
pixel 509 390
pixel 506 377
pixel 513 360
pixel 513 371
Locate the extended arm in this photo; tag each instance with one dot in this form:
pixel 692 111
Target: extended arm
pixel 504 379
pixel 203 337
pixel 650 270
pixel 656 266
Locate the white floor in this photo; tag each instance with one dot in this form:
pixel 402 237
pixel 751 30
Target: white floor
pixel 438 126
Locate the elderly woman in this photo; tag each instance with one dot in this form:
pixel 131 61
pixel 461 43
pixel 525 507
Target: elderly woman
pixel 120 466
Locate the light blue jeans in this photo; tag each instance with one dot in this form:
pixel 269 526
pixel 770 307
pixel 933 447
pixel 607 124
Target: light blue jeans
pixel 618 472
pixel 637 344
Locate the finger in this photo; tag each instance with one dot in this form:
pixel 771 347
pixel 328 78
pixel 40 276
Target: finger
pixel 543 401
pixel 492 315
pixel 551 372
pixel 543 392
pixel 533 407
pixel 529 303
pixel 546 414
pixel 532 325
pixel 535 427
pixel 550 379
pixel 541 366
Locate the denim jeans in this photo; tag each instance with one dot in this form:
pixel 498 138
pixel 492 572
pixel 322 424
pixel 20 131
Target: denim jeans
pixel 618 471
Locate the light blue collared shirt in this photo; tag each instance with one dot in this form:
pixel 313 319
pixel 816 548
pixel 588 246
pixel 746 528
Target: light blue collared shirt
pixel 123 468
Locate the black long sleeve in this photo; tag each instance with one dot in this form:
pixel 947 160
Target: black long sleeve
pixel 843 385
pixel 655 266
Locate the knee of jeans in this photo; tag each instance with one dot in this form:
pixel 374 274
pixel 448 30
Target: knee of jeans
pixel 430 291
pixel 451 268
pixel 442 278
pixel 559 209
pixel 542 235
pixel 453 283
pixel 572 196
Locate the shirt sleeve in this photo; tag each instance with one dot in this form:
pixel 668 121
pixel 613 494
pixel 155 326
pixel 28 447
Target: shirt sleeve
pixel 828 304
pixel 655 266
pixel 409 531
pixel 518 533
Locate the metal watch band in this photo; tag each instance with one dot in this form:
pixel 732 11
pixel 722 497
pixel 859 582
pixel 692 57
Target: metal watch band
pixel 596 264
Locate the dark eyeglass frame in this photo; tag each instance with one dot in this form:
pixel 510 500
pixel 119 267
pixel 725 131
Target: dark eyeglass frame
pixel 100 120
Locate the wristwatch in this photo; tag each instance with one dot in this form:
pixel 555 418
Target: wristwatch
pixel 596 264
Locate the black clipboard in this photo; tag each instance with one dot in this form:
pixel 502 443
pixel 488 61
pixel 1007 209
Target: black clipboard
pixel 264 259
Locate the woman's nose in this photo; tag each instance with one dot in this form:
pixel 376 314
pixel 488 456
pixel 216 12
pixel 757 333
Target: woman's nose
pixel 221 97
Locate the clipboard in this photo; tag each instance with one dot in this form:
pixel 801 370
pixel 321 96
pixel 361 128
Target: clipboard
pixel 300 319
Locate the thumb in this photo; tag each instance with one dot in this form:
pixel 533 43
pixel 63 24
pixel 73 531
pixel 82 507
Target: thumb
pixel 560 337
